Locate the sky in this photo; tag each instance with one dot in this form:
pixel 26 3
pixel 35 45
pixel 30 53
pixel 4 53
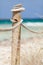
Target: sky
pixel 33 8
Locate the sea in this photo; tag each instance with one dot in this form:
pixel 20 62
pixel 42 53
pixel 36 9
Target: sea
pixel 32 24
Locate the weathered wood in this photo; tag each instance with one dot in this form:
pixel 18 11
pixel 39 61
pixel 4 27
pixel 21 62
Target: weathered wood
pixel 16 35
pixel 16 16
pixel 18 49
pixel 15 44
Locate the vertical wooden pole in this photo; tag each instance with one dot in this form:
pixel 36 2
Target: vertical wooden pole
pixel 18 49
pixel 15 59
pixel 16 45
pixel 16 40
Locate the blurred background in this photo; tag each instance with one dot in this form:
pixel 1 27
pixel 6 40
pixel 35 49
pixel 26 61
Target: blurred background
pixel 33 16
pixel 34 8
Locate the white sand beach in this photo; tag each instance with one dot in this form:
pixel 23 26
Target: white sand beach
pixel 31 51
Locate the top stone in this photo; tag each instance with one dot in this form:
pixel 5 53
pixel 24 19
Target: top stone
pixel 18 7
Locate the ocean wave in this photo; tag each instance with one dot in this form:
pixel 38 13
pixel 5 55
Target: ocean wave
pixel 33 24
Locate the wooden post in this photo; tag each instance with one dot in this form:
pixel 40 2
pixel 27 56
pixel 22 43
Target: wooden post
pixel 15 58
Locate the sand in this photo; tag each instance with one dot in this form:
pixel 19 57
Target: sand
pixel 31 51
pixel 5 53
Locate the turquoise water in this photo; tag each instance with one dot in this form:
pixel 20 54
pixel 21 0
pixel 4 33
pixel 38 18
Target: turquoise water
pixel 7 21
pixel 35 25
